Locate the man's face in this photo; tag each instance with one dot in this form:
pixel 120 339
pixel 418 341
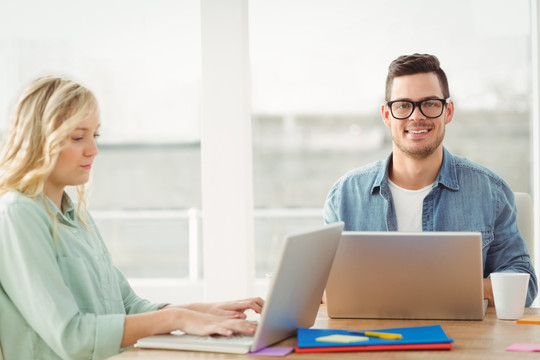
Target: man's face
pixel 417 136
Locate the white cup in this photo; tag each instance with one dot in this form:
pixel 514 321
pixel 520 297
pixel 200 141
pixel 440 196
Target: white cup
pixel 509 293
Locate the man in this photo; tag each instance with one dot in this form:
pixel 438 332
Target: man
pixel 421 186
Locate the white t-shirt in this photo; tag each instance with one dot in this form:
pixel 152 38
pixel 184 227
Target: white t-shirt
pixel 409 205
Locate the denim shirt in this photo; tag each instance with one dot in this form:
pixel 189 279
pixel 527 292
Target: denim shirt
pixel 465 197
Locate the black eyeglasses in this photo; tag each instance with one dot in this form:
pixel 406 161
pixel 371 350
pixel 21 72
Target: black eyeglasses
pixel 430 108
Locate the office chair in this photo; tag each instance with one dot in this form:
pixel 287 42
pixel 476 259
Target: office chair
pixel 524 205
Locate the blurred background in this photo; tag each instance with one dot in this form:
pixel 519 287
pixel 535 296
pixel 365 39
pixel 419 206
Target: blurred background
pixel 318 69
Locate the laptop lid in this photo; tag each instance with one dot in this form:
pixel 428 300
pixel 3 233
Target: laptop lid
pixel 293 299
pixel 398 275
pixel 298 285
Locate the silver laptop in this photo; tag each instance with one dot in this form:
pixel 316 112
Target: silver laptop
pixel 293 299
pixel 398 275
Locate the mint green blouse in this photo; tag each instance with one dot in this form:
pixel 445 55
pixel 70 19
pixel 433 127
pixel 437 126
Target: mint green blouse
pixel 60 295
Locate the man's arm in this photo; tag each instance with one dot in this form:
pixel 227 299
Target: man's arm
pixel 508 251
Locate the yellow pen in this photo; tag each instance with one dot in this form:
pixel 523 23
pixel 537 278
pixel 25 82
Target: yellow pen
pixel 382 335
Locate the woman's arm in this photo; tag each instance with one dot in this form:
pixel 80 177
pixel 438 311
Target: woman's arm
pixel 230 309
pixel 173 318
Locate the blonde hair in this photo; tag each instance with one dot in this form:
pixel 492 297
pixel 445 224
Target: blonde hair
pixel 47 111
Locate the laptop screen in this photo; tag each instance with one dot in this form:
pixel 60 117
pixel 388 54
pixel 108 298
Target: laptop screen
pixel 426 275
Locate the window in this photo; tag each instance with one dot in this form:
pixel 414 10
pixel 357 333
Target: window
pixel 319 69
pixel 142 60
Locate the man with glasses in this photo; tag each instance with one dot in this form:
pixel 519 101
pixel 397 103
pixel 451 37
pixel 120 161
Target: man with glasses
pixel 421 186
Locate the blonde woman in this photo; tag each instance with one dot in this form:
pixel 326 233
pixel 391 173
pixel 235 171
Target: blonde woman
pixel 60 295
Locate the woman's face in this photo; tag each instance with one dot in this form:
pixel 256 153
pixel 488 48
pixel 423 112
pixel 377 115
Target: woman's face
pixel 75 162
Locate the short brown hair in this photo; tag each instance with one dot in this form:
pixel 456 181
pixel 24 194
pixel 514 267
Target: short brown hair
pixel 416 64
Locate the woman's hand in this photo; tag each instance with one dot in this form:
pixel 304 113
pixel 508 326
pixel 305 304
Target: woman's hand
pixel 193 322
pixel 230 309
pixel 203 324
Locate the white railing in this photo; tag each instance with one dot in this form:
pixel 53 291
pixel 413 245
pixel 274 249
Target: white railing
pixel 191 288
pixel 193 217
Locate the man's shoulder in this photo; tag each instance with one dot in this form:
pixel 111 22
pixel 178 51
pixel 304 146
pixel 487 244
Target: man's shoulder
pixel 365 171
pixel 467 167
pixel 356 182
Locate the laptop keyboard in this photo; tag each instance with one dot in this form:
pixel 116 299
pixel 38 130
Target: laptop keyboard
pixel 233 340
pixel 220 339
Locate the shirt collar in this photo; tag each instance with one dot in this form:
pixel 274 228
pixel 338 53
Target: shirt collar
pixel 382 175
pixel 67 205
pixel 447 174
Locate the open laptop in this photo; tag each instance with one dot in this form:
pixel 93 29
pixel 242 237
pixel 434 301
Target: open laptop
pixel 293 299
pixel 398 275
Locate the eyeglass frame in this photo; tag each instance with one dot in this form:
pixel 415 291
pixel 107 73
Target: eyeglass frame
pixel 416 104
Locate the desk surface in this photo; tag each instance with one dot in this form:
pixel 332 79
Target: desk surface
pixel 485 339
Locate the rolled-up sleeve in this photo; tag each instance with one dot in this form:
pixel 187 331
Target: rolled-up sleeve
pixel 132 302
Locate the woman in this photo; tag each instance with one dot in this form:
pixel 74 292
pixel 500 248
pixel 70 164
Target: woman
pixel 60 295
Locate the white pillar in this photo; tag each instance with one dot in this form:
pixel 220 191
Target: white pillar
pixel 226 157
pixel 535 49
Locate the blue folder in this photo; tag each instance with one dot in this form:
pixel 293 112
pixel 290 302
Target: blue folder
pixel 306 338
